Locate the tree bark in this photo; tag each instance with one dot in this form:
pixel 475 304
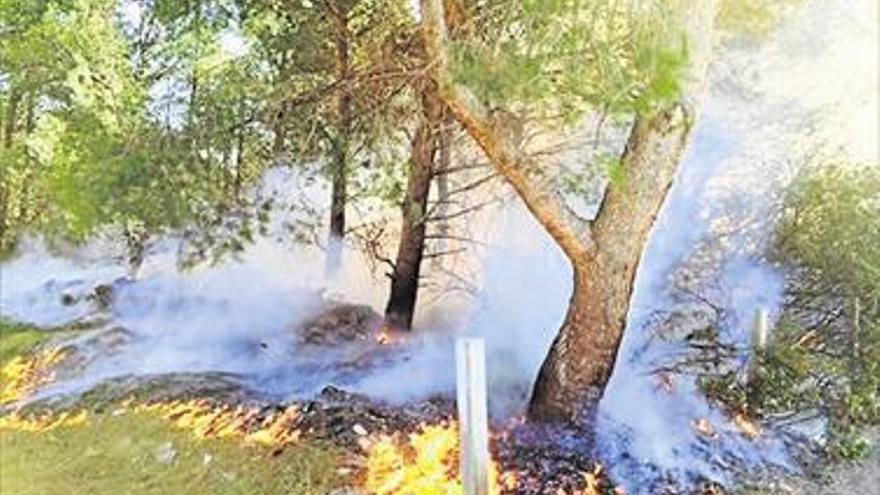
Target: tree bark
pixel 407 267
pixel 239 153
pixel 340 147
pixel 11 116
pixel 577 369
pixel 444 162
pixel 605 254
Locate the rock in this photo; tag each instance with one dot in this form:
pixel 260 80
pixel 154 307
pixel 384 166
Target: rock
pixel 346 491
pixel 339 323
pixel 165 454
pixel 359 430
pixel 696 322
pixel 68 299
pixel 102 296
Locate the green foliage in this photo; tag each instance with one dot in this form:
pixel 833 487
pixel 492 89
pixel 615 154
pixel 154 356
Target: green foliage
pixel 831 228
pixel 569 57
pixel 825 352
pixel 86 146
pixel 17 339
pixel 753 20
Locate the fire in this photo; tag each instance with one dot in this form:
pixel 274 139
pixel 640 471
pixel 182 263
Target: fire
pixel 383 338
pixel 748 427
pixel 591 484
pixel 427 465
pixel 386 336
pixel 23 375
pixel 206 420
pixel 705 428
pixel 42 423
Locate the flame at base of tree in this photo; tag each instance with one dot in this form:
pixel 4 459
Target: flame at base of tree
pixel 207 420
pixel 428 464
pixel 23 375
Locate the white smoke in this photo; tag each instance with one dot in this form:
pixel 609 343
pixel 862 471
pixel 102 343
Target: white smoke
pixel 816 76
pixel 769 102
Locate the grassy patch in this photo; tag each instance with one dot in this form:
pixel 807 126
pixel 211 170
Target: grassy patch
pixel 137 454
pixel 16 339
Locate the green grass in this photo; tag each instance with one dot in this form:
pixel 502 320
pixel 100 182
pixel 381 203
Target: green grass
pixel 16 339
pixel 119 455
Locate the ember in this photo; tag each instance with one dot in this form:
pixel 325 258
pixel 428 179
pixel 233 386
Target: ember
pixel 42 423
pixel 206 420
pixel 386 336
pixel 705 428
pixel 748 427
pixel 383 337
pixel 23 375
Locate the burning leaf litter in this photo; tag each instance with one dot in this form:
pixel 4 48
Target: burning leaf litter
pixel 704 427
pixel 427 463
pixel 748 427
pixel 207 420
pixel 23 375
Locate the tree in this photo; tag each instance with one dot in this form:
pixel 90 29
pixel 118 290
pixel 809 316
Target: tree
pixel 405 277
pixel 605 252
pixel 101 150
pixel 333 74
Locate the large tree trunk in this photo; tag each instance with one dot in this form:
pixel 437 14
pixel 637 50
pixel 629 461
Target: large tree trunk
pixel 407 267
pixel 604 255
pixel 340 149
pixel 582 357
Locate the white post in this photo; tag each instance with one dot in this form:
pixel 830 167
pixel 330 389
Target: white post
pixel 470 360
pixel 759 330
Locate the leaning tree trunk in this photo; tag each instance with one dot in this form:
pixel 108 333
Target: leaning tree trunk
pixel 605 255
pixel 407 267
pixel 582 357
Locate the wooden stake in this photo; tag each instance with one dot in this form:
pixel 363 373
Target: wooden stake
pixel 470 359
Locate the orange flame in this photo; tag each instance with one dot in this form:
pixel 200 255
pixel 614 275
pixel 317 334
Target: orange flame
pixel 591 484
pixel 748 427
pixel 383 338
pixel 23 375
pixel 428 464
pixel 42 423
pixel 386 336
pixel 705 428
pixel 205 420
